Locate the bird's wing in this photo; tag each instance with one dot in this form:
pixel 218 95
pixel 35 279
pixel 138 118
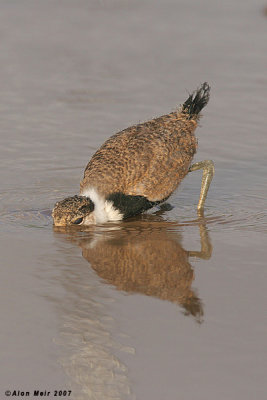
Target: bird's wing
pixel 147 160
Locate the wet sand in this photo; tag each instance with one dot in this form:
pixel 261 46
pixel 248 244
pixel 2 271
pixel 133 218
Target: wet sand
pixel 166 305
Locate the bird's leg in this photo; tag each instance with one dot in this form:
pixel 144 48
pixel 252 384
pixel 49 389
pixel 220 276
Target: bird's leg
pixel 208 172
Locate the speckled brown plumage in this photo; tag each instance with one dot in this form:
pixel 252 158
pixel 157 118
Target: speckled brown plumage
pixel 148 159
pixel 138 167
pixel 69 210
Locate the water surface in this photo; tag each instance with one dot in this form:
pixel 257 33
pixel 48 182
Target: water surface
pixel 168 305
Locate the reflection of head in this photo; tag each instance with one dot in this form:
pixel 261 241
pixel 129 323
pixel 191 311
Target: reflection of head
pixel 149 261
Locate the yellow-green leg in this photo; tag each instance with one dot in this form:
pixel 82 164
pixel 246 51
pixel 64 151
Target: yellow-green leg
pixel 208 172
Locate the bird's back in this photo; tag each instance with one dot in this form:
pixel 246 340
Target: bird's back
pixel 148 159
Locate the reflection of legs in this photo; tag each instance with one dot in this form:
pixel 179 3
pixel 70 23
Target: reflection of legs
pixel 206 246
pixel 208 172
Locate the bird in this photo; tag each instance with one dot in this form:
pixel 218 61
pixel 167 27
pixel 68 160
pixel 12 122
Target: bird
pixel 139 167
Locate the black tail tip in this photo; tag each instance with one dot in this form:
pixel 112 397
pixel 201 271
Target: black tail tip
pixel 196 101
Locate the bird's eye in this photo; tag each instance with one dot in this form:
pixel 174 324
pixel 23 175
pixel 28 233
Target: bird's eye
pixel 78 221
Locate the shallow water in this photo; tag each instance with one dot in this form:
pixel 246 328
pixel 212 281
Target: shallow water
pixel 167 305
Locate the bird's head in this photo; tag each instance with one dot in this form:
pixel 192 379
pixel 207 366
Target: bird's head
pixel 75 210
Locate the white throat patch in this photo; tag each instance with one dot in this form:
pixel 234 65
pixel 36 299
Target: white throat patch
pixel 104 210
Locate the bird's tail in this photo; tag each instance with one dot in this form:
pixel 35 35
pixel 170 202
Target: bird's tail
pixel 196 101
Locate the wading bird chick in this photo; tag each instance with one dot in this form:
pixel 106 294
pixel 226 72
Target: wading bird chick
pixel 139 167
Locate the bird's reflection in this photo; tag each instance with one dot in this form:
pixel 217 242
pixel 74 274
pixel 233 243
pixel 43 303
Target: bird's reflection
pixel 145 256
